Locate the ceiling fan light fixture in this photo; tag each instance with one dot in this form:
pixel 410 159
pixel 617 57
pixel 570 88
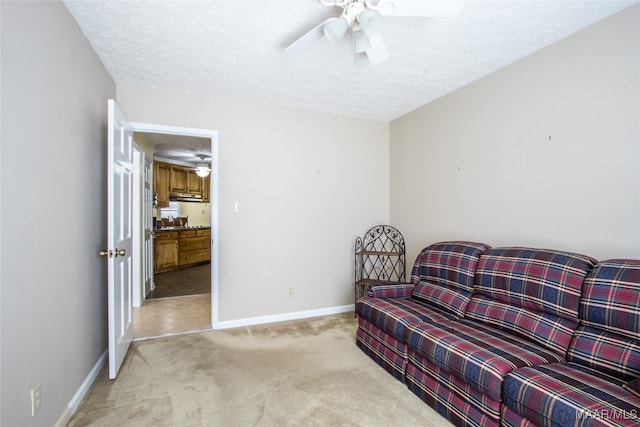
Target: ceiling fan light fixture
pixel 202 170
pixel 335 29
pixel 370 22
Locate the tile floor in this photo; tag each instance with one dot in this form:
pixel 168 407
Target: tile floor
pixel 170 316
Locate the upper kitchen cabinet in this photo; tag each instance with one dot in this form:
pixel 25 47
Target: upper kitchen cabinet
pixel 179 179
pixel 170 178
pixel 161 173
pixel 194 183
pixel 206 188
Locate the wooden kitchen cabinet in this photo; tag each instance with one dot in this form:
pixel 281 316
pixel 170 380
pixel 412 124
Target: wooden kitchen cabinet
pixel 194 183
pixel 166 251
pixel 169 178
pixel 206 189
pixel 194 246
pixel 178 181
pixel 161 175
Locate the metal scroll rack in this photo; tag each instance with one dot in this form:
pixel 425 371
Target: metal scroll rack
pixel 379 258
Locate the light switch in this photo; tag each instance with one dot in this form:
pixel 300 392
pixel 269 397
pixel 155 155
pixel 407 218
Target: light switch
pixel 237 208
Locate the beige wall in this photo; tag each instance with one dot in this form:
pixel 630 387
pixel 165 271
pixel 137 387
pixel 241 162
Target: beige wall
pixel 53 294
pixel 198 213
pixel 544 152
pixel 308 184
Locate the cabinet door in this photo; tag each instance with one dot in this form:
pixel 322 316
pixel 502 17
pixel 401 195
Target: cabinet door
pixel 166 254
pixel 206 185
pixel 194 183
pixel 161 183
pixel 178 179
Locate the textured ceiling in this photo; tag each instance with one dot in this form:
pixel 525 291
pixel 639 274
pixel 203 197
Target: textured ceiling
pixel 188 150
pixel 235 49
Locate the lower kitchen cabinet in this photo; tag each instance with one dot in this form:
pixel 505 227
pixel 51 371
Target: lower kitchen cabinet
pixel 166 251
pixel 181 248
pixel 194 247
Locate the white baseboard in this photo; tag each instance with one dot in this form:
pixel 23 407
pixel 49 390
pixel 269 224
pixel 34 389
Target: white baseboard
pixel 282 317
pixel 82 391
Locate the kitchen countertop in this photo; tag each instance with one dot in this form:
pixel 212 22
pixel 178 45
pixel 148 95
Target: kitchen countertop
pixel 178 228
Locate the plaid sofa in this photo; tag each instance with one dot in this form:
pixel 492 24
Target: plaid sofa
pixel 599 382
pixel 511 336
pixel 440 289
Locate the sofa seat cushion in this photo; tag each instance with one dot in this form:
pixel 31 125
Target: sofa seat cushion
pixel 392 315
pixel 478 354
pixel 562 394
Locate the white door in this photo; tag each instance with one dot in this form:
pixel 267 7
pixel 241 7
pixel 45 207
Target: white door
pixel 120 236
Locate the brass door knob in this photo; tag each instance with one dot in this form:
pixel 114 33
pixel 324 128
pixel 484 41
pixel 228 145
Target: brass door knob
pixel 105 253
pixel 120 252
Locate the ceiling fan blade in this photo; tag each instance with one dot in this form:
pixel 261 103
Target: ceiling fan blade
pixel 436 8
pixel 378 52
pixel 308 39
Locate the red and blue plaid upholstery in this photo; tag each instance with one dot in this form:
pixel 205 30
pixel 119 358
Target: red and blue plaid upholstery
pixel 390 290
pixel 609 336
pixel 387 310
pixel 569 394
pixel 604 353
pixel 478 354
pixel 451 397
pixel 607 352
pixel 448 264
pixel 552 332
pixel 443 274
pixel 531 293
pixel 388 352
pixel 511 418
pixel 535 279
pixel 393 315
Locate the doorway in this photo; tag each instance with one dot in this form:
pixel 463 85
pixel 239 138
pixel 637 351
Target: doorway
pixel 192 310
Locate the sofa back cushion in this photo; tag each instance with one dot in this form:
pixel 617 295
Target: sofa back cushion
pixel 608 338
pixel 443 274
pixel 532 293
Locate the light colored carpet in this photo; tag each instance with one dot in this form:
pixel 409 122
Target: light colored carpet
pixel 298 373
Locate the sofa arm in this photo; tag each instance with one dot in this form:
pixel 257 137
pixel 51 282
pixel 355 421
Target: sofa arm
pixel 390 290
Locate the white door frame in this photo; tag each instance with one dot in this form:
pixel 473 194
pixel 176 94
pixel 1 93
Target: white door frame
pixel 213 136
pixel 136 204
pixel 140 205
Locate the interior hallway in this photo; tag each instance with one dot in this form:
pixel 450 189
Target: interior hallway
pixel 170 316
pixel 182 304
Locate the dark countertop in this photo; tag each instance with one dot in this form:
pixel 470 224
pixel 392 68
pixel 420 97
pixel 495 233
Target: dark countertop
pixel 178 228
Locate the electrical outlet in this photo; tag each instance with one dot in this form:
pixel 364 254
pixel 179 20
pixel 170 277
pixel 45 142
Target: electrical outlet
pixel 290 292
pixel 35 399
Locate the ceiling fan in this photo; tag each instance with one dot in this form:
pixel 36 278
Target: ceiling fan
pixel 202 169
pixel 365 19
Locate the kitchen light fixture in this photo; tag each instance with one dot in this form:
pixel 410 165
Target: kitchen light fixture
pixel 202 170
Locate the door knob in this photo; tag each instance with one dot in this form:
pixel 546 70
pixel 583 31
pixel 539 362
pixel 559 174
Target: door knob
pixel 113 254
